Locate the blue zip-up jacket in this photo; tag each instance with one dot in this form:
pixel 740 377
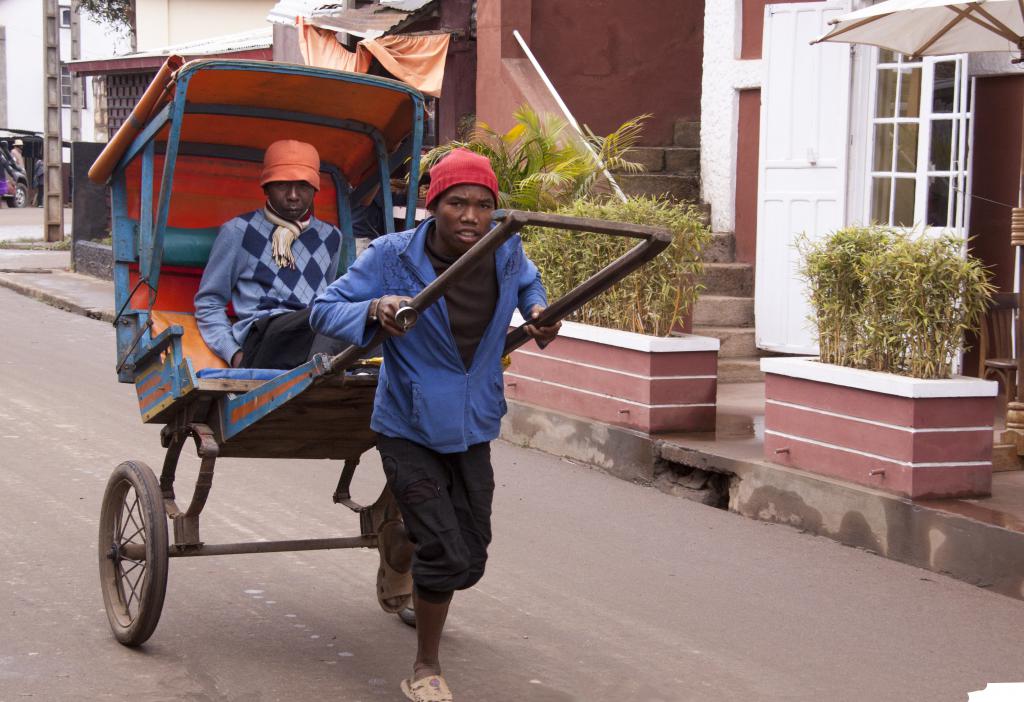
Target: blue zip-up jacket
pixel 425 393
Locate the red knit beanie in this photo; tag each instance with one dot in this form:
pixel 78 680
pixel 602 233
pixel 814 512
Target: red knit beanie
pixel 461 167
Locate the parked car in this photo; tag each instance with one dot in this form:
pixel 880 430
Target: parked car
pixel 19 195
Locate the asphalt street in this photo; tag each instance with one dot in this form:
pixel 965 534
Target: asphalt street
pixel 597 589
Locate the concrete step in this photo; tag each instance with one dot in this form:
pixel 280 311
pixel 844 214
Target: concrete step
pixel 723 311
pixel 740 370
pixel 652 158
pixel 687 134
pixel 721 248
pixel 677 187
pixel 666 159
pixel 728 279
pixel 737 342
pixel 682 159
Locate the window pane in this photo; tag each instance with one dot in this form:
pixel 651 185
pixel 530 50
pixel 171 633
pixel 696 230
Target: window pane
pixel 938 202
pixel 881 189
pixel 962 165
pixel 944 93
pixel 883 147
pixel 886 56
pixel 903 210
pixel 910 92
pixel 942 145
pixel 886 93
pixel 906 154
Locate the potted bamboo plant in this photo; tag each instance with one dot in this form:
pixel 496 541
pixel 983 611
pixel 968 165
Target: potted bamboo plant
pixel 881 405
pixel 622 359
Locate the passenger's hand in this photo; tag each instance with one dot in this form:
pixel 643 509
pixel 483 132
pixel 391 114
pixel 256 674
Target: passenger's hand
pixel 236 360
pixel 542 335
pixel 387 308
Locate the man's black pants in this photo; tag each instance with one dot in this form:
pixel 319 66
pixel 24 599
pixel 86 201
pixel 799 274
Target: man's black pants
pixel 285 341
pixel 445 500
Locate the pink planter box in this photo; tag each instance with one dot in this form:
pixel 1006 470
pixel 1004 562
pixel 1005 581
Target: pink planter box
pixel 651 384
pixel 916 438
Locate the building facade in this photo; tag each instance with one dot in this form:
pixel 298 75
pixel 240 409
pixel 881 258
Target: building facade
pixel 171 22
pixel 801 139
pixel 21 99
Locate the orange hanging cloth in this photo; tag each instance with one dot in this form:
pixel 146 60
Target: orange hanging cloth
pixel 320 48
pixel 416 60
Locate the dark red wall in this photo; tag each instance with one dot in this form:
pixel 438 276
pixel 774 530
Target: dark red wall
pixel 996 171
pixel 609 60
pixel 995 177
pixel 459 87
pixel 747 148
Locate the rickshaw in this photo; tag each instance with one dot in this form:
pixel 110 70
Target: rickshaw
pixel 186 161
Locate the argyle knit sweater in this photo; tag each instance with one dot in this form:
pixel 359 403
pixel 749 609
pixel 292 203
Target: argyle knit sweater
pixel 242 271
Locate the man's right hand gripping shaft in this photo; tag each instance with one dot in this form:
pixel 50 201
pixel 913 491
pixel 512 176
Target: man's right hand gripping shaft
pixel 385 309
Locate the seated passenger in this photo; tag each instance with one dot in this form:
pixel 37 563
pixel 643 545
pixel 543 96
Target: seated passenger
pixel 270 264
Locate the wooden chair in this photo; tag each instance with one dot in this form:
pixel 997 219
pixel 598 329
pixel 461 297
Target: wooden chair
pixel 996 356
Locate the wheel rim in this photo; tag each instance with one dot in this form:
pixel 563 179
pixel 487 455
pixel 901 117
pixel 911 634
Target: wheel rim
pixel 129 575
pixel 20 196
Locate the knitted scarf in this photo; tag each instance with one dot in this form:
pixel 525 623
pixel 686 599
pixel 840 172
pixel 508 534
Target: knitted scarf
pixel 285 233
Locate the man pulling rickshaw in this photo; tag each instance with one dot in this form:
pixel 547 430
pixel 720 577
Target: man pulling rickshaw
pixel 440 398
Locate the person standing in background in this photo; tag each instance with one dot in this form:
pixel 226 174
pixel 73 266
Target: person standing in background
pixel 37 182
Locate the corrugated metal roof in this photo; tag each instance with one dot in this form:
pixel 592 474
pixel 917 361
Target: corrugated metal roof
pixel 368 20
pixel 406 5
pixel 285 11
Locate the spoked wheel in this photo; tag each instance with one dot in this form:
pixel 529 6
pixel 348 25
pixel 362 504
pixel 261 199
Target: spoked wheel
pixel 133 552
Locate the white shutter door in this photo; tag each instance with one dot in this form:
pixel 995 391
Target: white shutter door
pixel 805 99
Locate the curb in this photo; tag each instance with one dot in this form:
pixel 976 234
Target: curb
pixel 982 554
pixel 976 552
pixel 55 300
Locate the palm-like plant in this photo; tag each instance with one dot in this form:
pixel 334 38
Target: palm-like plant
pixel 542 164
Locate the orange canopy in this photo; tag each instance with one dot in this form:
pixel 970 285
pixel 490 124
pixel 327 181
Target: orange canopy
pixel 250 104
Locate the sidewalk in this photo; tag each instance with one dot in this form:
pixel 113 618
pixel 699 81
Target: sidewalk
pixel 980 541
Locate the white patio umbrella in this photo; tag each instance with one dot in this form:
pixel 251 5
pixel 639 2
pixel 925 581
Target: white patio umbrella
pixel 936 28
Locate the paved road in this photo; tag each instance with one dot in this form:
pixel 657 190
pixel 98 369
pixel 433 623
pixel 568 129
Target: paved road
pixel 597 590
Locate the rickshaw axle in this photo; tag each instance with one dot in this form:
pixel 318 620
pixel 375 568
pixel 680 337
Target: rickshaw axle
pixel 137 552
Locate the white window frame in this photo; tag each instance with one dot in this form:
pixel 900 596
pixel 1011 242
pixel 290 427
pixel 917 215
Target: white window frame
pixel 960 178
pixel 67 83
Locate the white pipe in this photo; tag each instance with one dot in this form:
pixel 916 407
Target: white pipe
pixel 568 115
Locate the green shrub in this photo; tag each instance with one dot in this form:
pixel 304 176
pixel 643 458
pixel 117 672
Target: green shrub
pixel 889 301
pixel 541 163
pixel 652 300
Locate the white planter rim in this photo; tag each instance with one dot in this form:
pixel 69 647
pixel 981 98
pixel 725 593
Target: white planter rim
pixel 810 368
pixel 632 340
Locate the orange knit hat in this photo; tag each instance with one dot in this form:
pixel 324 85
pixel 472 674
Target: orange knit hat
pixel 461 167
pixel 291 160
